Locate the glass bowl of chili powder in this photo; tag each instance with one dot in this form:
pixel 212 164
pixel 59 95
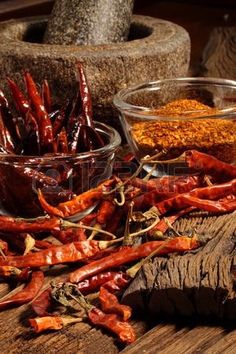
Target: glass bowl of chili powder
pixel 165 118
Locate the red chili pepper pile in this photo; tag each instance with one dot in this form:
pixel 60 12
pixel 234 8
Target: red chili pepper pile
pixel 42 127
pixel 107 242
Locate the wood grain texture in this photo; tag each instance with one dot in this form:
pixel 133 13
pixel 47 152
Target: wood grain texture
pixel 185 340
pixel 178 336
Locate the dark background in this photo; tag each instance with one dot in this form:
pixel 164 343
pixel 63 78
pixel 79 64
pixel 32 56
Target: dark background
pixel 199 17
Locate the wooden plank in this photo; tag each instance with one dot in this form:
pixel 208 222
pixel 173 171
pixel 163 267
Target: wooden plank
pixel 181 339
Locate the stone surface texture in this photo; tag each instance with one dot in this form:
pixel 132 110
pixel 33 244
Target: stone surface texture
pixel 84 22
pixel 156 49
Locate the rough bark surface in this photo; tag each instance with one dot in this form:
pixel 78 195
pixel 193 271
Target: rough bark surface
pixel 195 284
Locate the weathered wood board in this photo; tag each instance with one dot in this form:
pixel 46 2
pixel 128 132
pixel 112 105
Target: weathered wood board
pixel 186 336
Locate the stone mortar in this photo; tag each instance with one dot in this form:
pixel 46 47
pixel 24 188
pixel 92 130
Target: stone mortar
pixel 156 49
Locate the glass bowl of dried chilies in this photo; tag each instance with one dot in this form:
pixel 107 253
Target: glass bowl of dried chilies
pixel 165 118
pixel 57 149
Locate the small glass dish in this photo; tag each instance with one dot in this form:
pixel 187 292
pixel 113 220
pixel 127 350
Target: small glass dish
pixel 59 176
pixel 156 123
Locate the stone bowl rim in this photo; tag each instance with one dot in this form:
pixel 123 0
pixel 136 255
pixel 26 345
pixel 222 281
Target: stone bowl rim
pixel 151 23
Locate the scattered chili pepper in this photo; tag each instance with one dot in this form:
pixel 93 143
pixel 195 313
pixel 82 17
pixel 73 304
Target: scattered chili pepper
pixel 8 271
pixel 42 303
pixel 115 221
pixel 165 223
pixel 111 322
pixel 27 294
pixel 10 224
pixel 213 192
pixel 129 254
pixel 110 304
pixel 70 252
pixel 77 204
pixel 94 283
pixel 210 165
pixel 41 324
pixel 70 235
pixel 105 211
pixel 224 206
pixel 159 189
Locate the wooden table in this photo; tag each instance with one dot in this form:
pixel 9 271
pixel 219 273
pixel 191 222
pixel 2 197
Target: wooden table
pixel 179 337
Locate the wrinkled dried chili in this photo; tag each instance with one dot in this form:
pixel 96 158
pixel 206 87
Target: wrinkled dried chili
pixel 27 294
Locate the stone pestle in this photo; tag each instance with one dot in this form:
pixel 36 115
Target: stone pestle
pixel 89 22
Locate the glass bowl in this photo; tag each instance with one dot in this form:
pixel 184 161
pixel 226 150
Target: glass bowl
pixel 59 176
pixel 156 122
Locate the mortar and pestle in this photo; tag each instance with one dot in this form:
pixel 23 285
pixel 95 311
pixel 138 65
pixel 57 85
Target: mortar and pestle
pixel 116 48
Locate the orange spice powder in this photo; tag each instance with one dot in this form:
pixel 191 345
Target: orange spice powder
pixel 214 136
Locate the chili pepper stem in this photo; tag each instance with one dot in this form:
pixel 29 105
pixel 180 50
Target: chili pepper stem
pixel 143 161
pixel 180 158
pixel 69 224
pixel 147 177
pixel 29 244
pixel 2 253
pixel 95 231
pixel 134 269
pixel 106 244
pixel 171 227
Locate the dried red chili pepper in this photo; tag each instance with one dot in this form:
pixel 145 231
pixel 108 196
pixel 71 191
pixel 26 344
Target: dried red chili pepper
pixel 110 304
pixel 164 188
pixel 62 143
pixel 7 271
pixel 77 204
pixel 129 254
pixel 94 283
pixel 93 139
pixel 5 137
pixel 42 303
pixel 31 142
pixel 85 95
pixel 111 322
pixel 115 221
pixel 10 224
pixel 105 211
pixel 41 324
pixel 3 247
pixel 46 96
pixel 168 184
pixel 45 126
pixel 22 104
pixel 210 165
pixel 27 294
pixel 165 223
pixel 223 206
pixel 70 235
pixel 71 252
pixel 13 126
pixel 213 192
pixel 59 122
pixel 73 136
